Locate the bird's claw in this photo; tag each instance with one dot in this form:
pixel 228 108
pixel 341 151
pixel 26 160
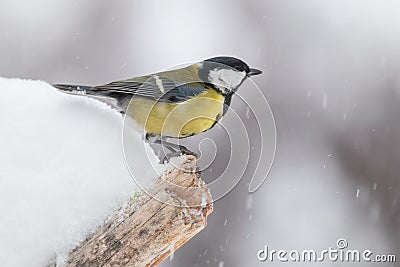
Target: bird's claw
pixel 182 151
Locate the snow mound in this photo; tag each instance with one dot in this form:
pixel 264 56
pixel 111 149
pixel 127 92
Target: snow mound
pixel 62 170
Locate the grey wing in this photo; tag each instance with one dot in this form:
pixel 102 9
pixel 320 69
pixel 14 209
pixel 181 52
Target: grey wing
pixel 118 94
pixel 154 87
pixel 151 86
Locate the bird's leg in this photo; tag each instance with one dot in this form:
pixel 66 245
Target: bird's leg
pixel 157 139
pixel 176 150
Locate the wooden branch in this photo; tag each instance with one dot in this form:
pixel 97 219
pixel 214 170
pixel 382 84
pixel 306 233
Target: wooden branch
pixel 146 230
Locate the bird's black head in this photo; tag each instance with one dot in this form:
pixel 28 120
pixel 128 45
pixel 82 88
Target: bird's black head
pixel 236 64
pixel 232 62
pixel 227 73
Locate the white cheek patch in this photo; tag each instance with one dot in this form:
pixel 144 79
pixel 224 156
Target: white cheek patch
pixel 227 78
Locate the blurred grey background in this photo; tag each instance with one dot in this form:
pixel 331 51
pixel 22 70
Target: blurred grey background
pixel 331 75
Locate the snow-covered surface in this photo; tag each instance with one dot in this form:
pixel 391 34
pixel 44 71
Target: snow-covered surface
pixel 62 170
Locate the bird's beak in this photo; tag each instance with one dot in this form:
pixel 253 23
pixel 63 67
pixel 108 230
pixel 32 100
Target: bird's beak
pixel 253 72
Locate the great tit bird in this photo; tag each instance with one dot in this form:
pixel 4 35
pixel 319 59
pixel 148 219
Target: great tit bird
pixel 176 103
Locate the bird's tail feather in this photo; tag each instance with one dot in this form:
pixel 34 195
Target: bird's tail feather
pixel 115 101
pixel 73 89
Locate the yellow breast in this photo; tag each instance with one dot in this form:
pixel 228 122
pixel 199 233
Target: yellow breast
pixel 178 120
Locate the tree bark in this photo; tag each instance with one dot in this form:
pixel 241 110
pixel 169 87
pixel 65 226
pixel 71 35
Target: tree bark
pixel 148 228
